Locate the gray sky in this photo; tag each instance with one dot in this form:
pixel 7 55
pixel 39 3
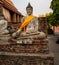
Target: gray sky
pixel 39 6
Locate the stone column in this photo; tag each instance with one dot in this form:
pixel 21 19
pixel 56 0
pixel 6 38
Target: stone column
pixel 20 18
pixel 17 18
pixel 14 17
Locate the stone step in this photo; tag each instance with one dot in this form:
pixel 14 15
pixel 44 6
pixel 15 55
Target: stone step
pixel 7 58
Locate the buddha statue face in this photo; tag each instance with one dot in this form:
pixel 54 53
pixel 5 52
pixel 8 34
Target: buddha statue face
pixel 29 9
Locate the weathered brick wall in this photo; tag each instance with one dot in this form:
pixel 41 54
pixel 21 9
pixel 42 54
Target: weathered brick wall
pixel 38 46
pixel 43 24
pixel 25 59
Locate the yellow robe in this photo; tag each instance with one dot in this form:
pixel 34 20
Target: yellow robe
pixel 26 22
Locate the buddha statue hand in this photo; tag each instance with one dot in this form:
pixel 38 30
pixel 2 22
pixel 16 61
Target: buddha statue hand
pixel 42 35
pixel 16 34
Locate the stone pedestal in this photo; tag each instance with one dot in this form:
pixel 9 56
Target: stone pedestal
pixel 26 54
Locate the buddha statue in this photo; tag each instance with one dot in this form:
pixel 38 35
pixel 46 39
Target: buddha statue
pixel 29 25
pixel 3 28
pixel 3 25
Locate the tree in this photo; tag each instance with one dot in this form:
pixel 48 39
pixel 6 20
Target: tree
pixel 55 16
pixel 49 17
pixel 49 21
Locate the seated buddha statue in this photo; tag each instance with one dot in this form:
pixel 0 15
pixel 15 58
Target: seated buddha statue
pixel 3 25
pixel 29 24
pixel 3 28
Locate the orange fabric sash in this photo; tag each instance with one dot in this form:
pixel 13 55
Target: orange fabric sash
pixel 26 22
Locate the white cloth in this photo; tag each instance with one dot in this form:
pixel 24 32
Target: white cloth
pixel 32 26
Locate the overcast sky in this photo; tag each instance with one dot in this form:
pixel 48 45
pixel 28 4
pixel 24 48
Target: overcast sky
pixel 39 6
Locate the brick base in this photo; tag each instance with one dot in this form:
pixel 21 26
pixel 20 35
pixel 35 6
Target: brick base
pixel 26 59
pixel 38 46
pixel 26 54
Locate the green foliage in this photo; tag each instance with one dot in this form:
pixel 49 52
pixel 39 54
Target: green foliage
pixel 49 19
pixel 54 17
pixel 55 5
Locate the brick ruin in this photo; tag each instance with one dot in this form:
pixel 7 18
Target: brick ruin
pixel 43 24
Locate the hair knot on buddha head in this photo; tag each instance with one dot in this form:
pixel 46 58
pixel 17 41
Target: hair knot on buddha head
pixel 29 9
pixel 29 6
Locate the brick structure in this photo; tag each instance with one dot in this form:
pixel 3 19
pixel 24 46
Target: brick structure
pixel 25 59
pixel 37 53
pixel 43 24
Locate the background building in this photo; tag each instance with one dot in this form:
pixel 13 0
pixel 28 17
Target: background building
pixel 10 12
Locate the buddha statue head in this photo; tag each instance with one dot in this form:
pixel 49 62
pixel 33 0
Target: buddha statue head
pixel 29 9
